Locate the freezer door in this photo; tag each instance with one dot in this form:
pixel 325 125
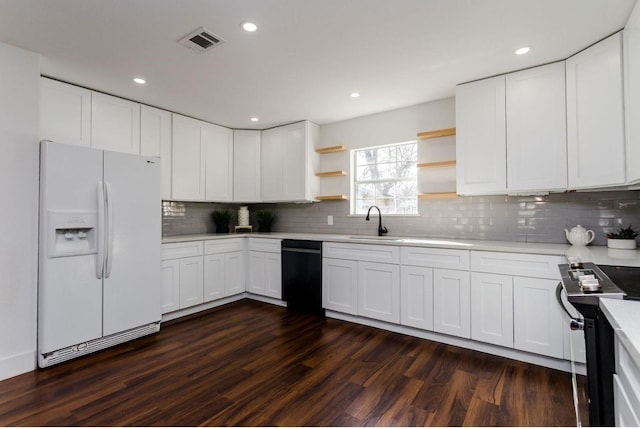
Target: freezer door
pixel 69 293
pixel 132 285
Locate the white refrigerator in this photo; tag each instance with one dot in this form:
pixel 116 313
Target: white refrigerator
pixel 99 251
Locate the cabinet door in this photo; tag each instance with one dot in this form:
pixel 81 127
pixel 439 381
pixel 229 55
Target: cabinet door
pixel 65 113
pixel 191 281
pixel 340 285
pixel 187 175
pixel 115 124
pixel 246 166
pixel 631 44
pixel 537 317
pixel 416 297
pixel 481 157
pixel 155 140
pixel 271 165
pixel 273 275
pixel 295 166
pixel 536 129
pixel 218 149
pixel 492 309
pixel 234 273
pixel 595 124
pixel 214 276
pixel 379 291
pixel 170 285
pixel 257 282
pixel 452 303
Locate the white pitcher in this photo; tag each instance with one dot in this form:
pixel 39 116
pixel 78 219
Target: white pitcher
pixel 579 236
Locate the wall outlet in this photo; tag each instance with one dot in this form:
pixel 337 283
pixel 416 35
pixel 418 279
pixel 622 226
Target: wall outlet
pixel 329 220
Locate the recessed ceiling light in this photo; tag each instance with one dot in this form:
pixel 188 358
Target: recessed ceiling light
pixel 255 119
pixel 249 26
pixel 523 50
pixel 139 80
pixel 354 95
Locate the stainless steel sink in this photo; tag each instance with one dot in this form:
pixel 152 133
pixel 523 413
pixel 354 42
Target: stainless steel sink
pixel 374 238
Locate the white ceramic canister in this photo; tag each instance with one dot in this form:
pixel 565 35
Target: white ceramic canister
pixel 243 216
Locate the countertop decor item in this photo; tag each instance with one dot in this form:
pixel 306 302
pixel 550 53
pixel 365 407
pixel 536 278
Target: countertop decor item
pixel 623 238
pixel 579 236
pixel 221 218
pixel 265 219
pixel 243 216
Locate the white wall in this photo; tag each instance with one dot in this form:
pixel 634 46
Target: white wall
pixel 393 126
pixel 19 98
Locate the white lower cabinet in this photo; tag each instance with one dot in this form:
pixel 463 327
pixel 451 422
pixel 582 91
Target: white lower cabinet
pixel 452 302
pixel 214 277
pixel 224 268
pixel 379 291
pixel 416 297
pixel 191 281
pixel 626 386
pixel 538 326
pixel 340 285
pixel 170 285
pixel 265 267
pixel 492 308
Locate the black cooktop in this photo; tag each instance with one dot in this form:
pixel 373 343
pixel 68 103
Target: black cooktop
pixel 626 278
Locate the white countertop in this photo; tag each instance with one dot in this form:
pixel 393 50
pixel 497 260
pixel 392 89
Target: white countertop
pixel 624 317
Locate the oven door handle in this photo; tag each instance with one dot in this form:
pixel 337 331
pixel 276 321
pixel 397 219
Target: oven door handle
pixel 574 323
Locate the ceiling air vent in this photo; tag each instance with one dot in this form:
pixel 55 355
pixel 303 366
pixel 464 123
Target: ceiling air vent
pixel 200 40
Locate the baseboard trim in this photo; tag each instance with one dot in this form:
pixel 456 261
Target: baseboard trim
pixel 14 365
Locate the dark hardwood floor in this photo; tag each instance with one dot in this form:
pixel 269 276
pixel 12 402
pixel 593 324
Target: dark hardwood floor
pixel 254 364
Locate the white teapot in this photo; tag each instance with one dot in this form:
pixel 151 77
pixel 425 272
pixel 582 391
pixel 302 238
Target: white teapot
pixel 579 236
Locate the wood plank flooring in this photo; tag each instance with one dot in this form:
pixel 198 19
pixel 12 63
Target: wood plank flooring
pixel 254 364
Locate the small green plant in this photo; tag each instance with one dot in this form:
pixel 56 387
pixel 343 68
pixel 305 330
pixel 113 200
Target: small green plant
pixel 265 219
pixel 221 218
pixel 627 233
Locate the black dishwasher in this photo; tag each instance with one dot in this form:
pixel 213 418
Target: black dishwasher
pixel 302 276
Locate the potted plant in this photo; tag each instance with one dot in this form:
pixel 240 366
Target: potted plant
pixel 265 219
pixel 624 238
pixel 221 218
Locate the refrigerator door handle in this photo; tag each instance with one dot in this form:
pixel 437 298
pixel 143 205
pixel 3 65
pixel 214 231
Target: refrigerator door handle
pixel 109 258
pixel 100 238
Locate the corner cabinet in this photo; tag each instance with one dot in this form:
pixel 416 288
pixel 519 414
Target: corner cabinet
pixel 595 117
pixel 289 162
pixel 481 138
pixel 217 144
pixel 246 166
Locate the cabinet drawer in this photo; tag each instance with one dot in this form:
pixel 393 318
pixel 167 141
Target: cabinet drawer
pixel 184 249
pixel 435 258
pixel 265 244
pixel 517 264
pixel 629 373
pixel 362 252
pixel 223 245
pixel 623 408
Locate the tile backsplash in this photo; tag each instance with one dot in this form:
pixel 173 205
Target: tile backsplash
pixel 539 219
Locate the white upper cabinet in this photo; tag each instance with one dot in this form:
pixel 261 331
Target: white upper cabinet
pixel 246 166
pixel 595 122
pixel 481 137
pixel 217 144
pixel 289 163
pixel 536 129
pixel 65 113
pixel 155 140
pixel 631 45
pixel 115 124
pixel 188 161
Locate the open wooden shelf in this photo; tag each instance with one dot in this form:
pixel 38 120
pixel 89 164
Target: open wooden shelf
pixel 331 149
pixel 437 195
pixel 331 197
pixel 332 173
pixel 437 164
pixel 437 133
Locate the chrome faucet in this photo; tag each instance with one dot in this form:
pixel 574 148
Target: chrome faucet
pixel 381 229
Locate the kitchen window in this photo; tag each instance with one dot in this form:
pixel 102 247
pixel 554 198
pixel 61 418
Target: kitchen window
pixel 385 176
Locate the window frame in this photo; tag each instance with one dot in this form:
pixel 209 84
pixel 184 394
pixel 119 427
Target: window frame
pixel 354 178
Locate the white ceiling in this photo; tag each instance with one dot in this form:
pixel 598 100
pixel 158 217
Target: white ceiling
pixel 307 55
